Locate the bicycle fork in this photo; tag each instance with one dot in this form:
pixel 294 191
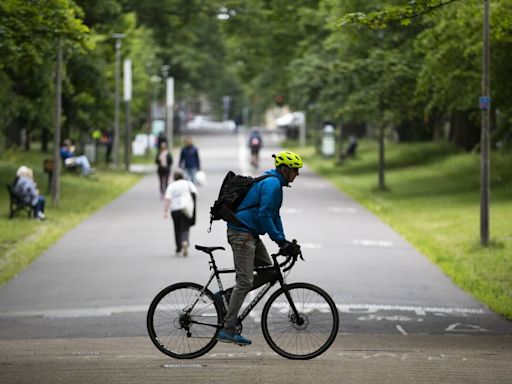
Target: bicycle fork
pixel 295 317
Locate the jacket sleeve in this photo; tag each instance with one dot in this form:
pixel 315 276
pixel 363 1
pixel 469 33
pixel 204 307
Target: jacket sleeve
pixel 269 210
pixel 182 158
pixel 197 157
pixel 279 225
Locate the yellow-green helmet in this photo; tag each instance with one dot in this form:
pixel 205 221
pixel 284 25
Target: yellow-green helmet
pixel 290 159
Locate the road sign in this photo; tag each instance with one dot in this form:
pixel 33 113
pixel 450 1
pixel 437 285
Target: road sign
pixel 485 102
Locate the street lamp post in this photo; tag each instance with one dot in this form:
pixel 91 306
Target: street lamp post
pixel 127 97
pixel 115 143
pixel 169 105
pixel 154 99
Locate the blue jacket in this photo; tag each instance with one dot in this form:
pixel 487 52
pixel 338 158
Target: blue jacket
pixel 66 153
pixel 189 158
pixel 267 194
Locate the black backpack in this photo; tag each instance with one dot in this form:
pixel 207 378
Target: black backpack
pixel 232 191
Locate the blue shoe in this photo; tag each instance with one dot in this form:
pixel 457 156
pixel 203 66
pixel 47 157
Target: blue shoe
pixel 234 338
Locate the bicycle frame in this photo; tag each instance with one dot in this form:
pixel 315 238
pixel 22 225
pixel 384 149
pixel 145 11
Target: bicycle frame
pixel 261 293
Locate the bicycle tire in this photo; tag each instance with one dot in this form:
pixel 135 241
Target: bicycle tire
pixel 176 333
pixel 282 330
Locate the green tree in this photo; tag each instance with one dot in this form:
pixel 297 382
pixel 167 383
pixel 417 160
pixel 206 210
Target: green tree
pixel 29 35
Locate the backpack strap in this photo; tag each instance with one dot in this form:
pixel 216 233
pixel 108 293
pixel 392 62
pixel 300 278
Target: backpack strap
pixel 257 179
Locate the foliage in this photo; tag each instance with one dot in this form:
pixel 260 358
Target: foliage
pixel 448 53
pixel 28 38
pixel 434 203
pixel 357 61
pixel 29 29
pixel 402 14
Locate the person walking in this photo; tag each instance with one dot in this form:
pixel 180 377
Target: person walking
pixel 26 188
pixel 259 214
pixel 164 163
pixel 180 199
pixel 107 141
pixel 189 159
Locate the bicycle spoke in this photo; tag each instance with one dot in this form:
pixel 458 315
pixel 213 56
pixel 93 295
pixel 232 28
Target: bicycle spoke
pixel 182 322
pixel 306 333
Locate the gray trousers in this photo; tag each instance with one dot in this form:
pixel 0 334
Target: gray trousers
pixel 248 252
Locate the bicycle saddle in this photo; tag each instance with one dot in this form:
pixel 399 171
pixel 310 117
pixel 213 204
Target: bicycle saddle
pixel 208 249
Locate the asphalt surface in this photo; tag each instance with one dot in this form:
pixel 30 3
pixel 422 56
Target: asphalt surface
pixel 91 291
pixel 352 359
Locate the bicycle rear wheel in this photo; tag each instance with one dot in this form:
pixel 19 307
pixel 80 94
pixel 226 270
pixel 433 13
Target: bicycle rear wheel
pixel 307 335
pixel 183 320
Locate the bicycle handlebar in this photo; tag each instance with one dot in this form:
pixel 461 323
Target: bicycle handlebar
pixel 288 259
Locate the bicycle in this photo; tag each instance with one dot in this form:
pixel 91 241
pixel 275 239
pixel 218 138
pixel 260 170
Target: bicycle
pixel 299 321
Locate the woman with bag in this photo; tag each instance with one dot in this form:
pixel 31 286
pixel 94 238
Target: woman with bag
pixel 180 199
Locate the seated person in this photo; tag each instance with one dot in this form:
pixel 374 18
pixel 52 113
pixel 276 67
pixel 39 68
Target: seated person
pixel 26 188
pixel 67 153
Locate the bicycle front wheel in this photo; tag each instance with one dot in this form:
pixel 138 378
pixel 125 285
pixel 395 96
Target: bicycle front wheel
pixel 183 320
pixel 305 334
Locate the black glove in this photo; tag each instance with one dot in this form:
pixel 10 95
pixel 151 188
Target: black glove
pixel 288 248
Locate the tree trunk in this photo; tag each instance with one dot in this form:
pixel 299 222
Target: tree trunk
pixel 382 183
pixel 28 139
pixel 339 145
pixel 56 138
pixel 44 140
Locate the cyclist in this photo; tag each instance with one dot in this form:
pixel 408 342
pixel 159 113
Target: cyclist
pixel 260 216
pixel 255 144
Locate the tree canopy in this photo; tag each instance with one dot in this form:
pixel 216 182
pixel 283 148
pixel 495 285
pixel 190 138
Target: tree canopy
pixel 413 65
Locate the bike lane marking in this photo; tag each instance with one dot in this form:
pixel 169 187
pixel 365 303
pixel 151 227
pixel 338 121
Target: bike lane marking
pixel 362 309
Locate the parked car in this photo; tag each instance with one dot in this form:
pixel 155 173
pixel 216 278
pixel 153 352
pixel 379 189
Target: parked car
pixel 203 122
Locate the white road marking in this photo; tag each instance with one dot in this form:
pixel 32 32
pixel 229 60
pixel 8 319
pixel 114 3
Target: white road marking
pixel 341 209
pixel 344 308
pixel 291 211
pixel 459 327
pixel 77 312
pixel 373 243
pixel 312 185
pixel 375 317
pixel 310 246
pixel 419 310
pixel 401 330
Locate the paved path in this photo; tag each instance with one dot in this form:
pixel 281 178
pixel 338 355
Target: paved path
pixel 106 270
pixel 354 359
pixel 99 279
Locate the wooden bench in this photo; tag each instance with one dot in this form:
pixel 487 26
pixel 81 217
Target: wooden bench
pixel 17 204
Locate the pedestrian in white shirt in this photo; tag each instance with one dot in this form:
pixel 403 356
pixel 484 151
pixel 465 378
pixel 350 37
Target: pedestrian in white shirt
pixel 180 199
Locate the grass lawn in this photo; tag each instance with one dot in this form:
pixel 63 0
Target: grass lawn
pixel 433 200
pixel 21 239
